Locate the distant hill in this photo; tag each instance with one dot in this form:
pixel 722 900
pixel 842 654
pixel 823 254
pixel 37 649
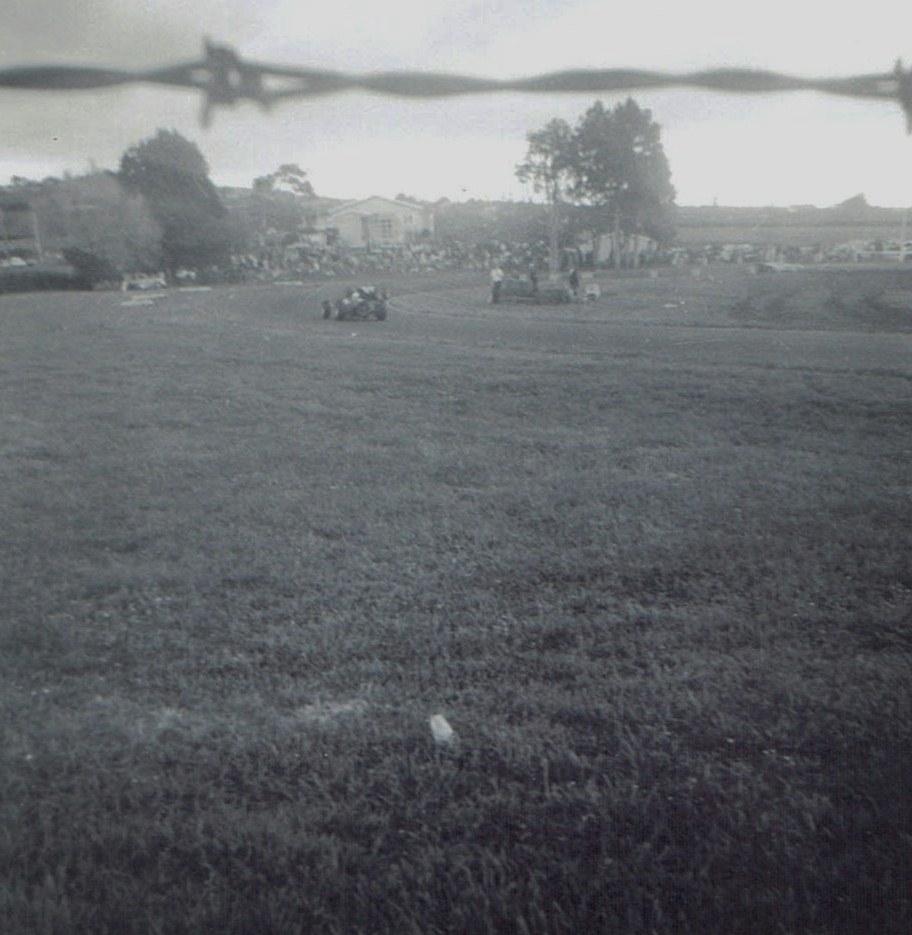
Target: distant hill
pixel 234 197
pixel 853 219
pixel 479 221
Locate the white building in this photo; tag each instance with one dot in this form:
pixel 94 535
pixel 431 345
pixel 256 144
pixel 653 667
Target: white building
pixel 381 222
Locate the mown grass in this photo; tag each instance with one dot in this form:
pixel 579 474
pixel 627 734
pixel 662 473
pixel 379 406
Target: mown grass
pixel 652 566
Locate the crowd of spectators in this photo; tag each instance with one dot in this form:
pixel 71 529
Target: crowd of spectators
pixel 337 261
pixel 696 254
pixel 516 259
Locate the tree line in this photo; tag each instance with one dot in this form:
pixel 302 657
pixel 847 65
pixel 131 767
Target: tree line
pixel 161 211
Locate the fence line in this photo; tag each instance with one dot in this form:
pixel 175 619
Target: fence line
pixel 224 78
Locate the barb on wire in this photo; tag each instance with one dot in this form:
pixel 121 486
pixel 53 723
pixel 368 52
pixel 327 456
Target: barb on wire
pixel 224 78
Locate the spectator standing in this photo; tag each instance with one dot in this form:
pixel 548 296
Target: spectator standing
pixel 497 275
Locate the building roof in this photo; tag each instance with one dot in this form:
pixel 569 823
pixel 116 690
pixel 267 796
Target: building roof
pixel 352 206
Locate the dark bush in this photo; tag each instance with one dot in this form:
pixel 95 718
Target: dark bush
pixel 35 279
pixel 91 269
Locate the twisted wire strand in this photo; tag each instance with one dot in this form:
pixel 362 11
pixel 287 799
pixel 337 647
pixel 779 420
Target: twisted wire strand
pixel 224 78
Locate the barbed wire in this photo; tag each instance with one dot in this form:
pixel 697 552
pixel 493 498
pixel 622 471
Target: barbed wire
pixel 224 79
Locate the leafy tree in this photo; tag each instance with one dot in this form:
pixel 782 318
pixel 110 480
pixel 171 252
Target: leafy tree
pixel 262 216
pixel 275 210
pixel 172 175
pixel 548 168
pixel 611 165
pixel 100 217
pixel 619 166
pixel 93 215
pixel 289 178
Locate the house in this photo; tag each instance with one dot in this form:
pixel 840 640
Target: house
pixel 381 222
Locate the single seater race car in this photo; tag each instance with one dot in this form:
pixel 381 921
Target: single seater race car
pixel 359 304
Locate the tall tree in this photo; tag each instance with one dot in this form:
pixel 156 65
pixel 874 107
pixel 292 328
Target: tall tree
pixel 548 167
pixel 619 166
pixel 172 175
pixel 279 204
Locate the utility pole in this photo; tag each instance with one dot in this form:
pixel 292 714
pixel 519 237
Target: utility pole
pixel 35 232
pixel 553 262
pixel 5 231
pixel 903 235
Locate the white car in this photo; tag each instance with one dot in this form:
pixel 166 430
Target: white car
pixel 143 281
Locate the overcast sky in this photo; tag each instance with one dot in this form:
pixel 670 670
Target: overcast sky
pixel 782 149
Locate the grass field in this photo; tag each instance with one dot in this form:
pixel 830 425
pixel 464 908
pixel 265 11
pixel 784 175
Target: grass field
pixel 651 558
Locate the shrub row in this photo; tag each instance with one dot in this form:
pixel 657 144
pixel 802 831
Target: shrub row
pixel 34 279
